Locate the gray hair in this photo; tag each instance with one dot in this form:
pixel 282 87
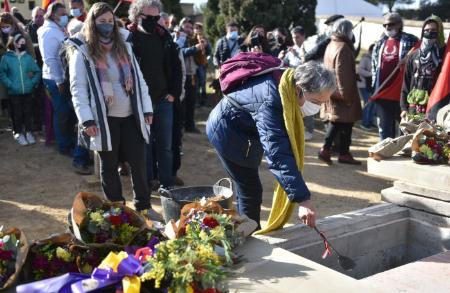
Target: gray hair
pixel 164 15
pixel 138 6
pixel 313 77
pixel 35 11
pixel 342 28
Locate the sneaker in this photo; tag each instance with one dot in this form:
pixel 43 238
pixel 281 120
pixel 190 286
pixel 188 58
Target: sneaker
pixel 152 215
pixel 81 169
pixel 30 138
pixel 348 159
pixel 20 138
pixel 308 136
pixel 325 156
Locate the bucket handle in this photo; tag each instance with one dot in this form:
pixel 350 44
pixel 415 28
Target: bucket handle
pixel 218 183
pixel 164 192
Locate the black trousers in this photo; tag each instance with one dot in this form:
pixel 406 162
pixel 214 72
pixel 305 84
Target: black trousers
pixel 127 140
pixel 177 136
pixel 342 131
pixel 189 102
pixel 22 112
pixel 38 107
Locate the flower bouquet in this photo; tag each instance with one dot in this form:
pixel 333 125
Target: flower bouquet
pixel 97 222
pixel 430 146
pixel 53 256
pixel 13 252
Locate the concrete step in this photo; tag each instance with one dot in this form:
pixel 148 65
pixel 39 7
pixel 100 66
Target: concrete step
pixel 434 206
pixel 412 188
pixel 431 274
pixel 404 169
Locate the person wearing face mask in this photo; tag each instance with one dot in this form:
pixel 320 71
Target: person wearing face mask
pixel 20 75
pixel 280 44
pixel 112 103
pixel 344 107
pixel 423 68
pixel 77 10
pixel 256 40
pixel 37 20
pixel 158 58
pixel 387 53
pixel 252 119
pixel 229 45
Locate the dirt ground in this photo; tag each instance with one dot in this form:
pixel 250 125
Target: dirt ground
pixel 37 184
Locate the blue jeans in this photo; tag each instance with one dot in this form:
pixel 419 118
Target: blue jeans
pixel 64 120
pixel 308 121
pixel 388 113
pixel 201 84
pixel 159 150
pixel 368 107
pixel 248 189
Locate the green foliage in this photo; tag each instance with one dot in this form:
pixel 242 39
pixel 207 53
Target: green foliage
pixel 271 14
pixel 169 6
pixel 441 8
pixel 390 3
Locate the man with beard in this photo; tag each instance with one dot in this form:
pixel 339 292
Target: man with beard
pixel 158 59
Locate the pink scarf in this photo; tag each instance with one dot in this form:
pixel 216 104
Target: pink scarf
pixel 126 76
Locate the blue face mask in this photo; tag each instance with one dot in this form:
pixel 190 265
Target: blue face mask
pixel 233 35
pixel 76 12
pixel 63 21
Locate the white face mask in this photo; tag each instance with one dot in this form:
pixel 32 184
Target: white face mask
pixel 390 33
pixel 309 108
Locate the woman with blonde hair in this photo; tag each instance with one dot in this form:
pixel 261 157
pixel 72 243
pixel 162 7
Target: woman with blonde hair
pixel 112 103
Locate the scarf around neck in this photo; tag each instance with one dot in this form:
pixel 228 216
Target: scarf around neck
pixel 126 74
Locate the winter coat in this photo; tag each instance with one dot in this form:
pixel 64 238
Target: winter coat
pixel 88 99
pixel 252 124
pixel 223 51
pixel 51 38
pixel 15 70
pixel 344 104
pixel 407 42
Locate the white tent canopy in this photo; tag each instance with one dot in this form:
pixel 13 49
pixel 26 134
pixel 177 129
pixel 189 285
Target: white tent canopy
pixel 347 8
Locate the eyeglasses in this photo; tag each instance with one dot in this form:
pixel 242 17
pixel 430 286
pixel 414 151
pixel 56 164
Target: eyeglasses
pixel 153 17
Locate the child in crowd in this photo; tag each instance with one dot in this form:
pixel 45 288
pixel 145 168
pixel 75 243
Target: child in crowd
pixel 20 74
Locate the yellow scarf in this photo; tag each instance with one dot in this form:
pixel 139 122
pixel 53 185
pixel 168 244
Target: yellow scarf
pixel 281 206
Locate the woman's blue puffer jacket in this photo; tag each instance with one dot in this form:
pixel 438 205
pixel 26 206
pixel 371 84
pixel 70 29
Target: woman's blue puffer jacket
pixel 243 131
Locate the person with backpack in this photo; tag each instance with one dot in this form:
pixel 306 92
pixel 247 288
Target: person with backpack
pixel 20 75
pixel 229 45
pixel 261 112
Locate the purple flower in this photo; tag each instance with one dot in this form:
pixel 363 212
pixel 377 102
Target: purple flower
pixel 40 263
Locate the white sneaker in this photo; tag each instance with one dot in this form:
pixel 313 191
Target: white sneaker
pixel 308 136
pixel 30 138
pixel 20 138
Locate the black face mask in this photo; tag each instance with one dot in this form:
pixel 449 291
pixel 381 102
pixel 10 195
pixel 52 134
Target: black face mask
pixel 150 22
pixel 430 35
pixel 22 47
pixel 280 40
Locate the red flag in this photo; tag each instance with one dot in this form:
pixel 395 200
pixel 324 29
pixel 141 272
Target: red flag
pixel 394 90
pixel 6 7
pixel 440 96
pixel 46 3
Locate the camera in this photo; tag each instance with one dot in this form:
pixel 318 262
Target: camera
pixel 256 40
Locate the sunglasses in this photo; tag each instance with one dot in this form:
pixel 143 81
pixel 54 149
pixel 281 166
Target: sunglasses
pixel 151 17
pixel 389 24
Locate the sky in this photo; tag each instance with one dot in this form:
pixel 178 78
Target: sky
pixel 199 2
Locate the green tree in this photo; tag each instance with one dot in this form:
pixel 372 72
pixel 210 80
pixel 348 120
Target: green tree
pixel 271 14
pixel 169 6
pixel 441 8
pixel 390 3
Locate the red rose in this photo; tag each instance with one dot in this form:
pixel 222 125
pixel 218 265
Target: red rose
pixel 431 143
pixel 115 220
pixel 6 254
pixel 210 222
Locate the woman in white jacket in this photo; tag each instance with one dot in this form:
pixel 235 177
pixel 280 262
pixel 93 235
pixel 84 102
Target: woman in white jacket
pixel 112 102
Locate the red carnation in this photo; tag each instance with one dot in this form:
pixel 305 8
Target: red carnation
pixel 115 220
pixel 210 222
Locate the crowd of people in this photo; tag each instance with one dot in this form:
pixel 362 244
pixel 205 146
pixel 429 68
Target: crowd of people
pixel 128 88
